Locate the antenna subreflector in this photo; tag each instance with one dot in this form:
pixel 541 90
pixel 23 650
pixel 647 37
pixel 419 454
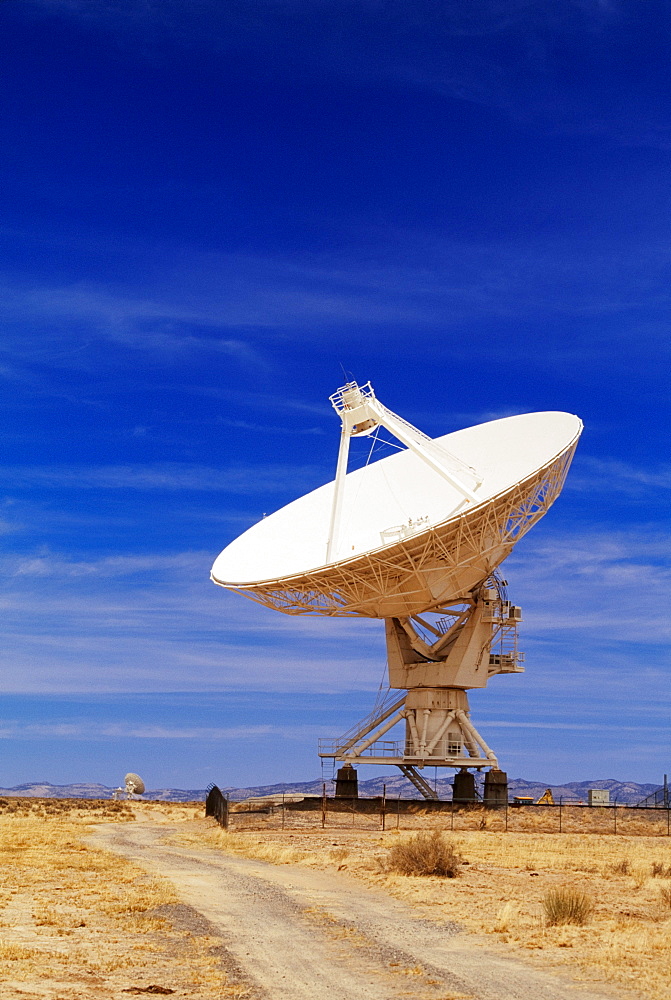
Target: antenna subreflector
pixel 415 539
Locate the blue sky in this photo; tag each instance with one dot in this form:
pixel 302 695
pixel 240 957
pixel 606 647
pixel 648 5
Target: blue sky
pixel 208 210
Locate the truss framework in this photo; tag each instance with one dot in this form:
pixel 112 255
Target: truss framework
pixel 368 747
pixel 425 570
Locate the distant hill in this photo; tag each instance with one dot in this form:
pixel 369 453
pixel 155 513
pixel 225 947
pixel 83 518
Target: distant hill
pixel 91 790
pixel 626 792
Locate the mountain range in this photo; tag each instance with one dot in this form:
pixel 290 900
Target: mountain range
pixel 625 792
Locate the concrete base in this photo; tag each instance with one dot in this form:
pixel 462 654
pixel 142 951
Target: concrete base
pixel 463 788
pixel 347 783
pixel 496 788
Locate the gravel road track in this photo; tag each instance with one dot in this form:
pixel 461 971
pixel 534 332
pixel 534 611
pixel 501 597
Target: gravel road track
pixel 293 933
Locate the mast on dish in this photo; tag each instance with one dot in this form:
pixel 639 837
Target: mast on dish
pixel 361 414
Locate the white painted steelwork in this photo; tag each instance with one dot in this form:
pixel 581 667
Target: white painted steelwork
pixel 403 536
pixel 415 539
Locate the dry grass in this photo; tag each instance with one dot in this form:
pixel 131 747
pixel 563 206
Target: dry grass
pixel 565 905
pixel 665 898
pixel 75 918
pixel 100 809
pixel 622 867
pixel 500 892
pixel 505 918
pixel 426 854
pixel 247 845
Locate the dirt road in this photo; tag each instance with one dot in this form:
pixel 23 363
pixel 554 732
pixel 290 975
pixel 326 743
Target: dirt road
pixel 292 933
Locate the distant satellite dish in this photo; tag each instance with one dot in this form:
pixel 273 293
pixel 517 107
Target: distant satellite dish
pixel 134 784
pixel 416 539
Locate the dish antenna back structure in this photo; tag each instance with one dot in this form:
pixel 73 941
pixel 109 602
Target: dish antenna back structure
pixel 133 785
pixel 414 539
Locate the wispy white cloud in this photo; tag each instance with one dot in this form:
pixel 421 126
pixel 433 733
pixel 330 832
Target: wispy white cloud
pixel 245 480
pixel 10 729
pixel 158 624
pixel 605 587
pixel 117 315
pixel 605 476
pixel 508 56
pixel 564 726
pixel 404 277
pixel 105 568
pixel 245 425
pixel 592 604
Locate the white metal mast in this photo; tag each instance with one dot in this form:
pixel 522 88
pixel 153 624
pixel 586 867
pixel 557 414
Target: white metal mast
pixel 361 413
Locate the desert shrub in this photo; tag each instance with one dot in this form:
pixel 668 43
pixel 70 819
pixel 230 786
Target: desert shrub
pixel 567 906
pixel 426 854
pixel 660 870
pixel 622 867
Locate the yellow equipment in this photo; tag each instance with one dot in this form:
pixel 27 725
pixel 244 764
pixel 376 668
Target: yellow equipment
pixel 546 798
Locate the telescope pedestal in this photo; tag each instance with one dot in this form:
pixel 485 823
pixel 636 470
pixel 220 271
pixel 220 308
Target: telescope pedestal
pixel 435 662
pixel 439 732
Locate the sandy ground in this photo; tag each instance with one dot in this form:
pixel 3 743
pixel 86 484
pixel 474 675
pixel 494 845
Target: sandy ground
pixel 503 882
pixel 291 933
pixel 78 923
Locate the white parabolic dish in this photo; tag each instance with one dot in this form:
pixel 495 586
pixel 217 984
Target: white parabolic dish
pixel 409 541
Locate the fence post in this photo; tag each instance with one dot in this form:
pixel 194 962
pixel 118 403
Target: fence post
pixel 383 807
pixel 398 812
pixel 668 821
pixel 560 808
pixel 506 815
pixel 615 817
pixel 282 810
pixel 323 804
pixel 452 816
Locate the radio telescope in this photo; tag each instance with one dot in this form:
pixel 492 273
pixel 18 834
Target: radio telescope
pixel 414 539
pixel 133 785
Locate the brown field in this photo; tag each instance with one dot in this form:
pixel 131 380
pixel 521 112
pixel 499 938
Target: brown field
pixel 499 894
pixel 76 921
